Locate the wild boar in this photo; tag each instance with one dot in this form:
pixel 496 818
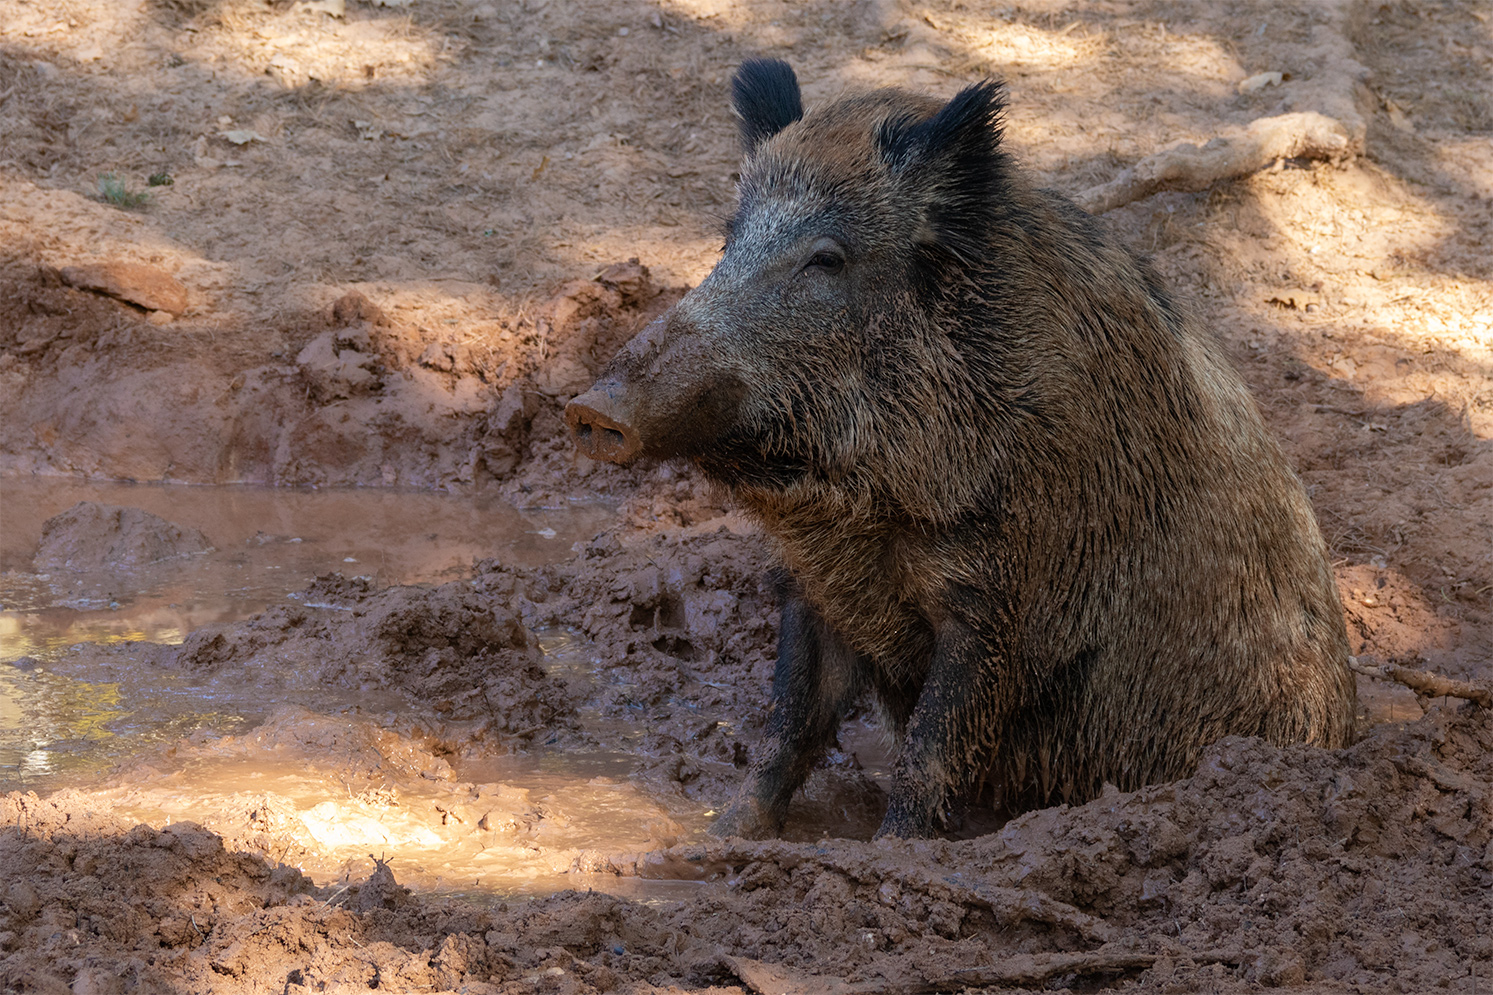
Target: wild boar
pixel 1019 495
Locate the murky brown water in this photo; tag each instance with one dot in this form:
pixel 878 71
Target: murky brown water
pixel 167 747
pixel 268 543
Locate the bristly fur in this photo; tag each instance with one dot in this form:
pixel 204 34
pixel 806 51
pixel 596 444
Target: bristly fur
pixel 1020 496
pixel 766 98
pixel 956 162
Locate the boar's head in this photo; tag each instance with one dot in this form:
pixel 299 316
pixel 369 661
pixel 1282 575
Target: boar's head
pixel 828 328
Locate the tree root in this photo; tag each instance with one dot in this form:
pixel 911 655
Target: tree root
pixel 1323 119
pixel 1008 906
pixel 1303 135
pixel 1424 683
pixel 1029 970
pixel 1015 970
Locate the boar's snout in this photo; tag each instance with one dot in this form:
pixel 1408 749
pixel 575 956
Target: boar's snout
pixel 600 428
pixel 670 392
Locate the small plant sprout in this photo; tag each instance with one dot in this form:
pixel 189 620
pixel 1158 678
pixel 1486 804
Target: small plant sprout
pixel 112 190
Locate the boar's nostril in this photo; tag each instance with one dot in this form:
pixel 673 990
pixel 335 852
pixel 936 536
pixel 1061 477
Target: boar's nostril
pixel 609 438
pixel 599 429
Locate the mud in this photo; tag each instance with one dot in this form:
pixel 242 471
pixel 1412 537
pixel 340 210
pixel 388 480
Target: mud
pixel 92 536
pixel 1365 868
pixel 478 749
pixel 358 397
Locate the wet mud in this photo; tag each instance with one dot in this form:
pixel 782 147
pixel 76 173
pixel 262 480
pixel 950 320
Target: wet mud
pixel 449 708
pixel 504 780
pixel 1270 867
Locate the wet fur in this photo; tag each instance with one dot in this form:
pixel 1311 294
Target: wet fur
pixel 1019 494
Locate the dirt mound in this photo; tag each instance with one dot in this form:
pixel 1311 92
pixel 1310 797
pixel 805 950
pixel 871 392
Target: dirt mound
pixel 1366 867
pixel 111 908
pixel 96 537
pixel 107 906
pixel 464 656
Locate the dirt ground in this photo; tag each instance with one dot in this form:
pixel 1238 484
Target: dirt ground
pixel 381 242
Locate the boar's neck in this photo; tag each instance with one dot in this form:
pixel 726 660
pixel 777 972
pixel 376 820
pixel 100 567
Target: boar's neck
pixel 872 574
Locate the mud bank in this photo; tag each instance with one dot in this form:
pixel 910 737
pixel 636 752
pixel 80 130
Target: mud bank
pixel 350 394
pixel 1365 869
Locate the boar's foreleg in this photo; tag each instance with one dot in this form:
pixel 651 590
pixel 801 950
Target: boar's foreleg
pixel 949 734
pixel 817 678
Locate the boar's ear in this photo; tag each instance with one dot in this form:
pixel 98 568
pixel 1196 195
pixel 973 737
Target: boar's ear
pixel 765 97
pixel 954 163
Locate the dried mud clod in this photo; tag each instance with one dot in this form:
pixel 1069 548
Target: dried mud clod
pixel 146 287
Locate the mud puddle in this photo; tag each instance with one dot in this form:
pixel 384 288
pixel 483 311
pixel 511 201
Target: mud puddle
pixel 322 774
pixel 265 543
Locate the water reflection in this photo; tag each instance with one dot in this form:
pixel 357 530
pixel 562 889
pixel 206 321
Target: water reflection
pixel 397 536
pixel 324 776
pixel 46 720
pixel 268 543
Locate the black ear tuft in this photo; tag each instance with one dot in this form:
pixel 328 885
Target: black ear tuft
pixel 955 161
pixel 968 125
pixel 766 98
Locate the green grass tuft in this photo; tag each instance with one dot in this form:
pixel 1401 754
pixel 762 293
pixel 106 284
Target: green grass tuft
pixel 112 190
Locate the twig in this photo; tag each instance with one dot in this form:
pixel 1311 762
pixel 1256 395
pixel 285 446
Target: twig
pixel 1303 135
pixel 1423 682
pixel 336 894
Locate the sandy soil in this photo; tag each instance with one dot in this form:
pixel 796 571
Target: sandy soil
pixel 397 238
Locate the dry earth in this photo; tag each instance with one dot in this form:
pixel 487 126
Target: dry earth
pixel 395 238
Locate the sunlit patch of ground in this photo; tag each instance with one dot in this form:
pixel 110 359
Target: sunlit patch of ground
pixel 323 792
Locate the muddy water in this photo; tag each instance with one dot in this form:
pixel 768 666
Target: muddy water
pixel 337 774
pixel 267 544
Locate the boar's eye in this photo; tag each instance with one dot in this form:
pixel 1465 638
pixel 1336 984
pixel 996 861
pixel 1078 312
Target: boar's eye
pixel 828 261
pixel 827 258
